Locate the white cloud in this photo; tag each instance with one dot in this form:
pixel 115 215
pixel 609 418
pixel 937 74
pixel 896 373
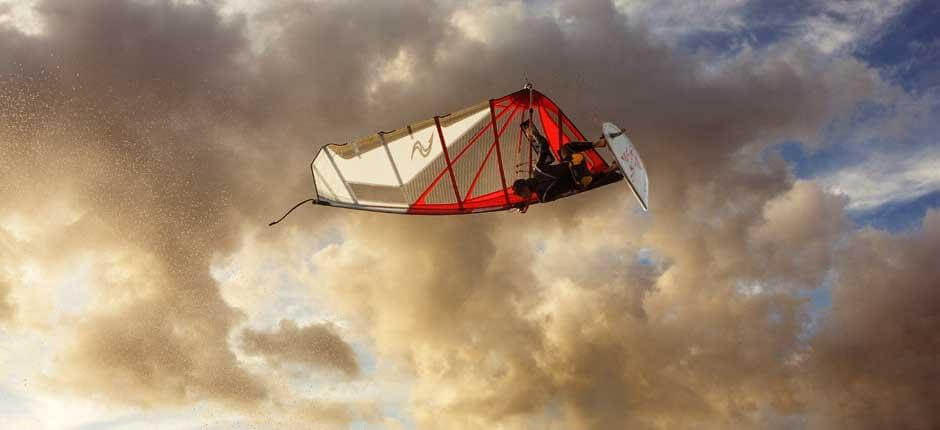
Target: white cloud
pixel 844 23
pixel 672 19
pixel 887 177
pixel 20 14
pixel 489 21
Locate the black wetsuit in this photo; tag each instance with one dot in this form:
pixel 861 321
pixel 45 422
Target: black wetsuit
pixel 551 181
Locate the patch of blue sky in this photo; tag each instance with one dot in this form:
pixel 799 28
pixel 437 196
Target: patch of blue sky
pixel 291 302
pixel 908 51
pixel 540 246
pixel 841 147
pixel 871 126
pixel 820 303
pixel 880 155
pixel 898 216
pixel 781 14
pixel 807 164
pixel 365 358
pixel 646 256
pixel 727 42
pixel 865 111
pixel 761 23
pixel 893 216
pixel 846 140
pixel 821 298
pixel 818 300
pixel 754 35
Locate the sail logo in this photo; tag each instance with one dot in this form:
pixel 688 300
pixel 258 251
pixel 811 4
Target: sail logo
pixel 421 149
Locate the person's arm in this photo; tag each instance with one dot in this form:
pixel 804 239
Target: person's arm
pixel 577 146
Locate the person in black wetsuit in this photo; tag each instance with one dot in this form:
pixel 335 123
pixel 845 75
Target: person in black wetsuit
pixel 553 178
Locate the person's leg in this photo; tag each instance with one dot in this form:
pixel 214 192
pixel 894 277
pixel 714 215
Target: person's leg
pixel 546 157
pixel 552 181
pixel 569 149
pixel 605 178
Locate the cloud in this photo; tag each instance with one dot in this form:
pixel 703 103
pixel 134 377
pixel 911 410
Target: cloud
pixel 316 345
pixel 154 137
pixel 115 111
pixel 842 25
pixel 21 16
pixel 497 332
pixel 898 176
pixel 804 224
pixel 579 328
pixel 7 308
pixel 165 355
pixel 872 361
pixel 679 18
pixel 109 115
pixel 831 27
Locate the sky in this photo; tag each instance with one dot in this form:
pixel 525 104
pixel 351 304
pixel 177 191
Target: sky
pixel 784 277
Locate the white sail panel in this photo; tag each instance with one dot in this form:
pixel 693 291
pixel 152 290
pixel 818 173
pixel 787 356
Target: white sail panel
pixel 330 185
pixel 393 169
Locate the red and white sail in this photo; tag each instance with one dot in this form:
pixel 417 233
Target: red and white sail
pixel 462 162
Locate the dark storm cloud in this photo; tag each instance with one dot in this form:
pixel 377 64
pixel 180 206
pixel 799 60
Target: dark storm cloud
pixel 114 109
pixel 316 345
pixel 148 120
pixel 874 360
pixel 116 102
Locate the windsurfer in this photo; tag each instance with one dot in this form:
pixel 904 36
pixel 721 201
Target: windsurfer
pixel 553 178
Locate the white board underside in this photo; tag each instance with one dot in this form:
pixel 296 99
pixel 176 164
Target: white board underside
pixel 627 157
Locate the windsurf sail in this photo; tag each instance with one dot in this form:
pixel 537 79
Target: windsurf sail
pixel 459 163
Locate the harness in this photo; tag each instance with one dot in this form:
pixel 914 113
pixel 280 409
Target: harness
pixel 579 170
